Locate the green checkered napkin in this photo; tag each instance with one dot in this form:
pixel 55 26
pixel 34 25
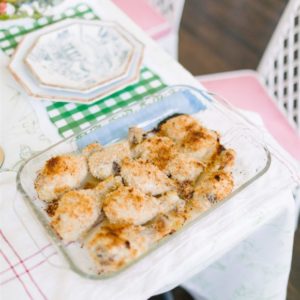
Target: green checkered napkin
pixel 71 118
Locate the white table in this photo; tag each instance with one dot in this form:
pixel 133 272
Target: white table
pixel 254 239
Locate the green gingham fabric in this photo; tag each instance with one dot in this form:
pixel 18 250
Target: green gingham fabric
pixel 10 37
pixel 70 118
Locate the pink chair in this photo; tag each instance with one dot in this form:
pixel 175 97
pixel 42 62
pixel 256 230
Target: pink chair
pixel 245 89
pixel 273 91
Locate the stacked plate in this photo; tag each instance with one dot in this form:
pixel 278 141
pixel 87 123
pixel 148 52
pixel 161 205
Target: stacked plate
pixel 77 61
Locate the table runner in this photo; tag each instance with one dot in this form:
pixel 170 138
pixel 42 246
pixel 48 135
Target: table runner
pixel 70 118
pixel 10 37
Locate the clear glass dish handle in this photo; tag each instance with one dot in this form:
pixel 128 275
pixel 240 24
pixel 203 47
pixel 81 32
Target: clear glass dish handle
pixel 288 162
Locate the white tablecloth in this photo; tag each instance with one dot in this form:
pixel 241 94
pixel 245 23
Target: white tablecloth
pixel 256 268
pixel 26 273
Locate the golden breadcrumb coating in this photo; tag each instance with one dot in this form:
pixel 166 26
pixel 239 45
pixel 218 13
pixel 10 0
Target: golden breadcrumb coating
pixel 190 137
pixel 127 205
pixel 176 128
pixel 90 149
pixel 77 211
pixel 145 176
pixel 215 184
pixel 112 247
pixel 213 187
pixel 223 161
pixel 156 150
pixel 202 144
pixel 101 163
pixel 161 151
pixel 184 167
pixel 108 185
pixel 165 224
pixel 135 136
pixel 60 174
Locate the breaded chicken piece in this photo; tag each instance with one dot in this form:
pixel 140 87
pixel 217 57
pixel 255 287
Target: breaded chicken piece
pixel 165 224
pixel 161 151
pixel 223 161
pixel 135 136
pixel 157 150
pixel 194 207
pixel 176 127
pixel 108 185
pixel 184 167
pixel 202 144
pixel 60 174
pixel 127 205
pixel 213 187
pixel 112 247
pixel 184 170
pixel 77 212
pixel 181 167
pixel 145 177
pixel 190 137
pixel 90 149
pixel 101 163
pixel 170 201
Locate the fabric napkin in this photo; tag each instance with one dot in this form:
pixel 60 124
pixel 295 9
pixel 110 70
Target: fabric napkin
pixel 21 135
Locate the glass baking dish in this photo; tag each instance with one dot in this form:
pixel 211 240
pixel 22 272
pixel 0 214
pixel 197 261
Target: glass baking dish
pixel 253 157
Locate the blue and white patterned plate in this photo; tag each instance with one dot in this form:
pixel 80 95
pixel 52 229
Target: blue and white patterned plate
pixel 52 63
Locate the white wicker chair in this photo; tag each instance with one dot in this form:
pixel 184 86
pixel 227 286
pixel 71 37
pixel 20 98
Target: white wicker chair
pixel 280 65
pixel 172 11
pixel 273 90
pixel 165 34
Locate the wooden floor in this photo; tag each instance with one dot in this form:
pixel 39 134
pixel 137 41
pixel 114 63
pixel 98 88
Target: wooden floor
pixel 217 36
pixel 294 282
